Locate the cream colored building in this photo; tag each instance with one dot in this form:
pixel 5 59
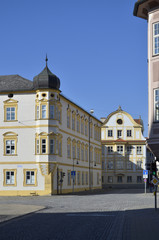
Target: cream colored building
pixel 45 138
pixel 123 150
pixel 149 10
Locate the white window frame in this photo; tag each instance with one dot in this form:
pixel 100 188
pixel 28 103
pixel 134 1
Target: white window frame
pixel 120 149
pixel 52 146
pixel 156 38
pixel 10 177
pixel 43 111
pixel 110 133
pixel 10 147
pixel 139 150
pixel 43 145
pixel 30 177
pixel 10 113
pixel 156 105
pixel 129 133
pixel 52 111
pixel 119 133
pixel 110 149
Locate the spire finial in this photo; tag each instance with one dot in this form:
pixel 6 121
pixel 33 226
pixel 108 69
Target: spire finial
pixel 46 59
pixel 119 108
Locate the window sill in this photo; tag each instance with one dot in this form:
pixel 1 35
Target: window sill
pixel 10 155
pixel 10 120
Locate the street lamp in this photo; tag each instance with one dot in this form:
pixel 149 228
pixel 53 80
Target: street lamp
pixel 89 136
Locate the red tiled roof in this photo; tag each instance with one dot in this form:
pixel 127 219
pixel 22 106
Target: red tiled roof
pixel 138 121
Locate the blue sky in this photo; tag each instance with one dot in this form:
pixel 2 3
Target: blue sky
pixel 97 48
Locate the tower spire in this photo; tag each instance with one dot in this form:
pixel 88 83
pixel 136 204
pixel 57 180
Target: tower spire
pixel 46 59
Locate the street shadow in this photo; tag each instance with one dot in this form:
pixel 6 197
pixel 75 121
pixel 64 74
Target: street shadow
pixel 122 225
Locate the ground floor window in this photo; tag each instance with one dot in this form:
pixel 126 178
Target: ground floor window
pixel 129 179
pixel 9 177
pixel 120 179
pixel 139 179
pixel 110 179
pixel 30 177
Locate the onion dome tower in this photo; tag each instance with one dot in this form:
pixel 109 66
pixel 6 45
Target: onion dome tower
pixel 46 79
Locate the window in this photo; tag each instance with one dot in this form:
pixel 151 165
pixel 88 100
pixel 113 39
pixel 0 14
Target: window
pixel 129 165
pixel 52 146
pixel 139 165
pixel 78 123
pixel 110 133
pixel 10 177
pixel 119 164
pixel 86 178
pixel 78 152
pixel 139 179
pixel 120 149
pixel 69 177
pixel 82 178
pixel 73 122
pixel 82 126
pixel 129 179
pixel 10 147
pixel 86 153
pixel 30 177
pixel 51 111
pixel 82 152
pixel 110 149
pixel 10 143
pixel 86 128
pixel 119 133
pixel 69 148
pixel 129 133
pixel 110 165
pixel 43 145
pixel 78 178
pixel 110 179
pixel 156 105
pixel 156 38
pixel 119 179
pixel 139 150
pixel 43 111
pixel 129 149
pixel 37 146
pixel 97 178
pixel 73 149
pixel 37 112
pixel 10 111
pixel 91 130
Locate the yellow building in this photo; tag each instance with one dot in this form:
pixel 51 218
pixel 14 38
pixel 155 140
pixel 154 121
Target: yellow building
pixel 123 150
pixel 49 144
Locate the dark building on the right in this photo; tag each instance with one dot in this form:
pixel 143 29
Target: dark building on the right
pixel 149 10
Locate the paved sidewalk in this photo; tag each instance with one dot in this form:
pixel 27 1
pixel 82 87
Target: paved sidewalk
pixel 9 211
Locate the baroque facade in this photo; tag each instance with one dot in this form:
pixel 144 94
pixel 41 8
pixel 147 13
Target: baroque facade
pixel 50 145
pixel 123 150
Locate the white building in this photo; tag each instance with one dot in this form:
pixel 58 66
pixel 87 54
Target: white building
pixel 44 137
pixel 123 150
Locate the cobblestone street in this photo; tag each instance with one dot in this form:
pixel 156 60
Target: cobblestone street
pixel 108 214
